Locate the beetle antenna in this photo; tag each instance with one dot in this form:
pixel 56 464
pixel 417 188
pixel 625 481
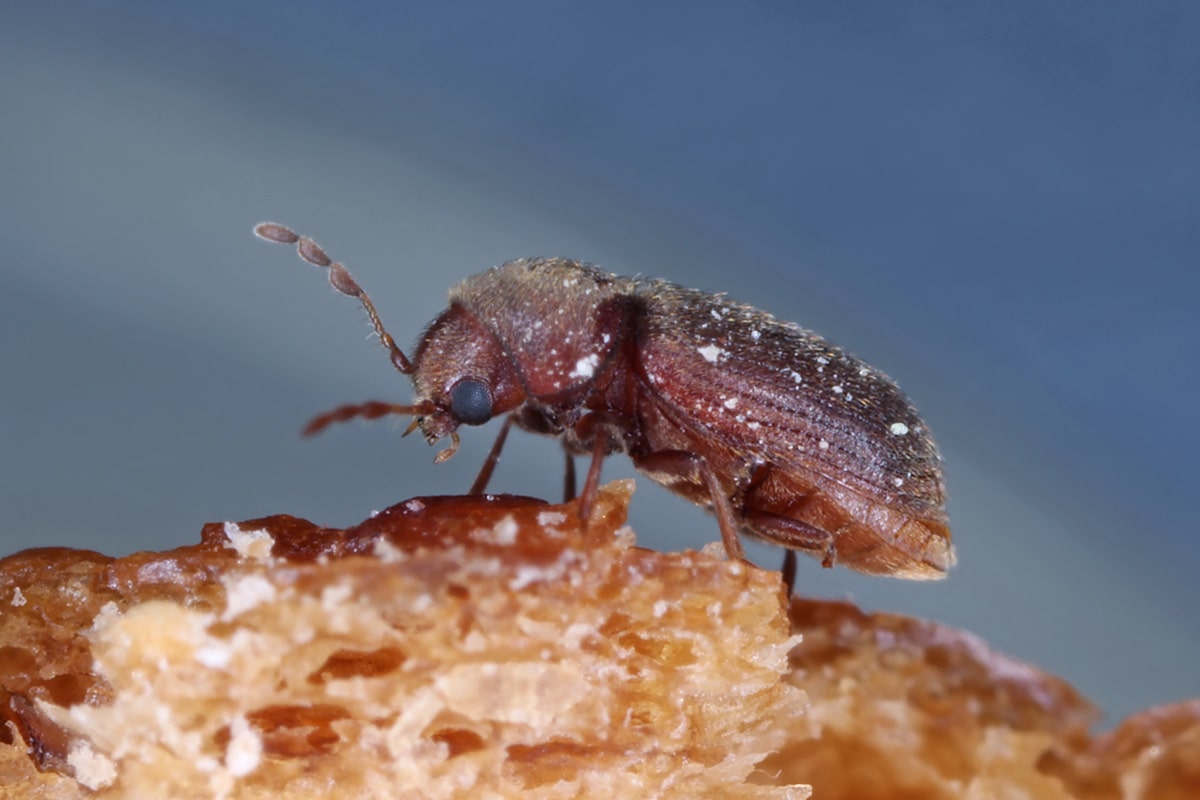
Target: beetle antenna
pixel 372 409
pixel 340 279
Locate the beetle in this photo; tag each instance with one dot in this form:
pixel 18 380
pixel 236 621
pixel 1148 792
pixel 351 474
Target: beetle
pixel 782 435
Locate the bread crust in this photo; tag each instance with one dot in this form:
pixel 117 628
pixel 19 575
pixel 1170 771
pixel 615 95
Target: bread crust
pixel 493 647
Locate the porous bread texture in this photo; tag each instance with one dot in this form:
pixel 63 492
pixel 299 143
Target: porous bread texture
pixel 512 655
pixel 906 709
pixel 457 647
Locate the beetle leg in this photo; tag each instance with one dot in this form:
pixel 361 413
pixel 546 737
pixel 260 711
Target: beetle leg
pixel 569 477
pixel 598 427
pixel 788 572
pixel 793 533
pixel 592 483
pixel 694 468
pixel 493 456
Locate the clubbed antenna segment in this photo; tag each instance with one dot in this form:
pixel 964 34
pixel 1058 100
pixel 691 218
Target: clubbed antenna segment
pixel 339 278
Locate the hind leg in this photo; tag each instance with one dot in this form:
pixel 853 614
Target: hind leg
pixel 793 534
pixel 788 572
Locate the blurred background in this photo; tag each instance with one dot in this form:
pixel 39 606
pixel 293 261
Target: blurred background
pixel 997 205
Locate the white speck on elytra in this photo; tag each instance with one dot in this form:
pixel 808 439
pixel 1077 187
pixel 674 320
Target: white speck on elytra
pixel 822 360
pixel 838 389
pixel 898 429
pixel 796 377
pixel 755 334
pixel 754 425
pixel 898 482
pixel 731 403
pixel 585 367
pixel 824 445
pixel 710 352
pixel 716 314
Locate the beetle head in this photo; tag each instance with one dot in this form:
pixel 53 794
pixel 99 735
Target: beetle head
pixel 461 373
pixel 462 376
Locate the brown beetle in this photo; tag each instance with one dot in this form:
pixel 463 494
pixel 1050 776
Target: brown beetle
pixel 783 435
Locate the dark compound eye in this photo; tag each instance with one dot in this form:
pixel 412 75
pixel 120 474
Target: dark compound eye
pixel 471 402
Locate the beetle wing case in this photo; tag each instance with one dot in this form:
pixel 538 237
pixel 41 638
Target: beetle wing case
pixel 848 452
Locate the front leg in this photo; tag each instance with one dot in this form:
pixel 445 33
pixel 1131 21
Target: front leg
pixel 694 468
pixel 493 457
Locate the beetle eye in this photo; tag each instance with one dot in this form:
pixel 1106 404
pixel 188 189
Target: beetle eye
pixel 471 402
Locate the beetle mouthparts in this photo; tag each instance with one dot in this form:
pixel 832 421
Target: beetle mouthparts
pixel 449 452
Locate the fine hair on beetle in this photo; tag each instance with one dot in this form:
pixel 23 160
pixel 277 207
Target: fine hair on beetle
pixel 782 435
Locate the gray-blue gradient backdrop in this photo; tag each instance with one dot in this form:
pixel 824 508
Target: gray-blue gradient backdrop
pixel 998 204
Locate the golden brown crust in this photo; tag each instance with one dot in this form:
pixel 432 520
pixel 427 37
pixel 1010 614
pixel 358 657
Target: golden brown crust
pixel 453 647
pixel 908 708
pixel 444 648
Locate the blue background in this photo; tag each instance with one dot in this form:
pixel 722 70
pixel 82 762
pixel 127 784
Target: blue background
pixel 995 203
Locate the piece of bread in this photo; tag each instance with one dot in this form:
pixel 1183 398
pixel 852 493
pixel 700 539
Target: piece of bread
pixel 902 708
pixel 490 648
